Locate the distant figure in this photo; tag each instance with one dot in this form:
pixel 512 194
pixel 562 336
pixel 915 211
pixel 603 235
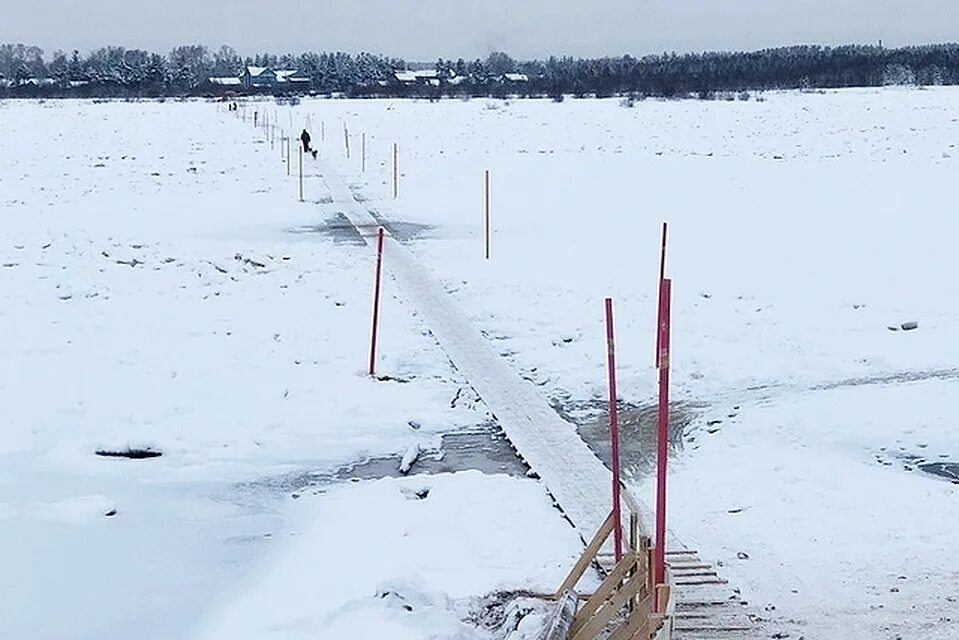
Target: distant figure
pixel 305 139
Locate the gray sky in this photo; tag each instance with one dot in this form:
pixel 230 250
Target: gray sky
pixel 426 29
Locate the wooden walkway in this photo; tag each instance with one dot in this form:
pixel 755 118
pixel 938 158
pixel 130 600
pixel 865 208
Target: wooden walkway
pixel 576 478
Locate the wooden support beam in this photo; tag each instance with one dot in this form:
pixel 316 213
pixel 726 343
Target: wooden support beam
pixel 592 549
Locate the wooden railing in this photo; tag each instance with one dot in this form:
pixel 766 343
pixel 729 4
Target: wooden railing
pixel 626 605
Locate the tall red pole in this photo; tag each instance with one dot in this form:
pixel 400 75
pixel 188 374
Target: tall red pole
pixel 486 201
pixel 614 431
pixel 376 299
pixel 346 139
pixel 662 454
pixel 662 275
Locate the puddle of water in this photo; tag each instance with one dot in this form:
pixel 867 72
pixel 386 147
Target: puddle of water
pixel 404 231
pixel 484 449
pixel 638 428
pixel 338 228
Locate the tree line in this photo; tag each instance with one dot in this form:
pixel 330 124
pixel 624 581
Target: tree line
pixel 185 71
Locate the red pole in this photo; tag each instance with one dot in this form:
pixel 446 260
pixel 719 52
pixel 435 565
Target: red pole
pixel 376 299
pixel 614 431
pixel 662 275
pixel 346 139
pixel 396 186
pixel 487 214
pixel 301 174
pixel 665 294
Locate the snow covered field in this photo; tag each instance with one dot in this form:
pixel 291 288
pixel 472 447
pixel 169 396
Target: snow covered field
pixel 159 291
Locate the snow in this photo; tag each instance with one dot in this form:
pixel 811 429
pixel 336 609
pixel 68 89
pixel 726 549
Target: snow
pixel 136 313
pixel 801 227
pixel 359 553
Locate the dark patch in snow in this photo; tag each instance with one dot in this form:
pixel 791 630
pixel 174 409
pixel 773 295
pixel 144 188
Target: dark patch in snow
pixel 337 228
pixel 947 470
pixel 131 453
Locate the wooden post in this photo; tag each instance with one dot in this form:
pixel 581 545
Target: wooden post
pixel 614 432
pixel 346 139
pixel 363 152
pixel 376 299
pixel 487 220
pixel 301 174
pixel 396 175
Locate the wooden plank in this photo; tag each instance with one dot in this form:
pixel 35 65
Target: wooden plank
pixel 610 609
pixel 685 583
pixel 636 626
pixel 561 618
pixel 687 566
pixel 587 558
pixel 606 589
pixel 663 591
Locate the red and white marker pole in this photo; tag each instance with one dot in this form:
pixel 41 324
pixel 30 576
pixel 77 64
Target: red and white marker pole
pixel 614 432
pixel 376 299
pixel 662 275
pixel 662 456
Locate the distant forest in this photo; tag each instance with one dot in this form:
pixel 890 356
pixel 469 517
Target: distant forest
pixel 186 71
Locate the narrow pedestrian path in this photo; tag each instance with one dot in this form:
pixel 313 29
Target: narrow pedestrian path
pixel 576 478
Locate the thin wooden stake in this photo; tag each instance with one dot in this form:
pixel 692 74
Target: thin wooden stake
pixel 396 175
pixel 486 218
pixel 376 299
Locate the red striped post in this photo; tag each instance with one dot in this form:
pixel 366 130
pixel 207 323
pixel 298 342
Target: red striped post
pixel 396 174
pixel 487 220
pixel 614 431
pixel 662 274
pixel 662 454
pixel 376 299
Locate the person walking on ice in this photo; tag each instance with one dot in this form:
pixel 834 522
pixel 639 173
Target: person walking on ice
pixel 305 139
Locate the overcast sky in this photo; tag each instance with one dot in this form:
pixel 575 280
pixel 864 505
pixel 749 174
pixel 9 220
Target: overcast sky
pixel 426 29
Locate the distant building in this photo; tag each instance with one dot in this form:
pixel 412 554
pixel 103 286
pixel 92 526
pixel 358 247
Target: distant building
pixel 227 82
pixel 257 77
pixel 292 77
pixel 38 82
pixel 515 77
pixel 425 77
